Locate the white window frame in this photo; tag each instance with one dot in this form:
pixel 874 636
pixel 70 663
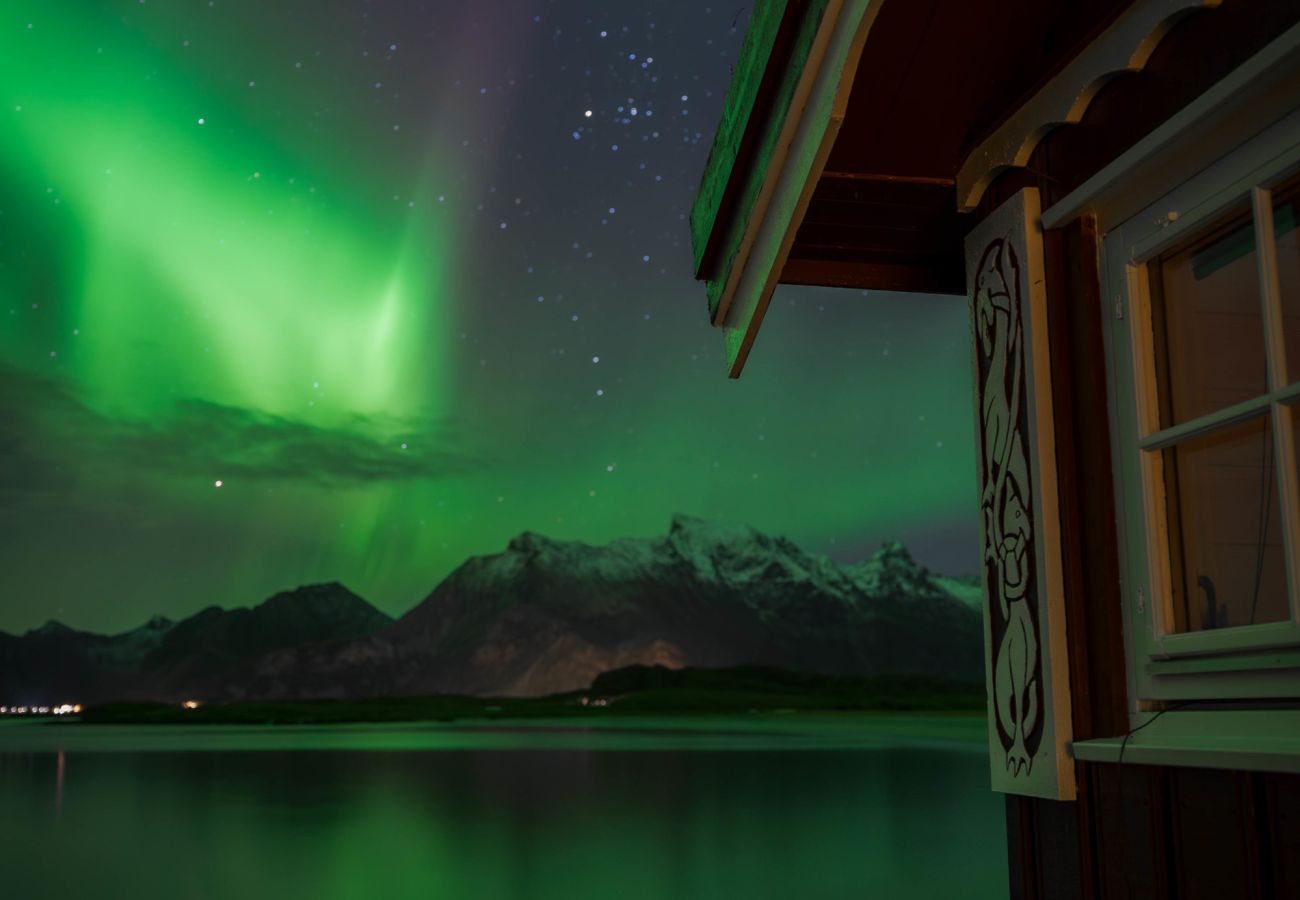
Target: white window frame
pixel 1203 161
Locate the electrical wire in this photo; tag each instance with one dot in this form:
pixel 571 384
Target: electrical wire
pixel 1124 743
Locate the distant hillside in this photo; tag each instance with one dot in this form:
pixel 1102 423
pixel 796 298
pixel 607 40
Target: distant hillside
pixel 633 691
pixel 749 688
pixel 204 655
pixel 56 664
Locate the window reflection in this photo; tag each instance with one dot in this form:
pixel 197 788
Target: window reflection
pixel 1225 535
pixel 1288 273
pixel 1209 333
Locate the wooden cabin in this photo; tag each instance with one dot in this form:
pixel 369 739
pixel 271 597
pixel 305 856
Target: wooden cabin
pixel 1114 186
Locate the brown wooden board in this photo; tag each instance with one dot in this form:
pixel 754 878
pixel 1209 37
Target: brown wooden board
pixel 1098 597
pixel 1056 841
pixel 1278 799
pixel 1160 832
pixel 1215 848
pixel 1129 842
pixel 1094 620
pixel 1022 864
pixel 1068 463
pixel 922 276
pixel 888 233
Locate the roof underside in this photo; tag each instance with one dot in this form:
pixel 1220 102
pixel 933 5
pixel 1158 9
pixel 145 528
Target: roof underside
pixel 933 80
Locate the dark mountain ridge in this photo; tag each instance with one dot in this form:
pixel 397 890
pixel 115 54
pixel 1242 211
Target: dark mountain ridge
pixel 545 616
pixel 169 660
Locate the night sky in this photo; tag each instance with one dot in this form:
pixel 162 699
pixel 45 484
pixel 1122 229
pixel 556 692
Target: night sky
pixel 315 290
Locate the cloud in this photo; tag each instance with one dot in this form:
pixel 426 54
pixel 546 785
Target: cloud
pixel 48 436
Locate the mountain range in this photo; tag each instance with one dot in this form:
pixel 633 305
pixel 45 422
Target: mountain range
pixel 541 617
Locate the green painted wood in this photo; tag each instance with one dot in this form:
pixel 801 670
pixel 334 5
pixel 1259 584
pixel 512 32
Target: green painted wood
pixel 807 17
pixel 737 111
pixel 792 172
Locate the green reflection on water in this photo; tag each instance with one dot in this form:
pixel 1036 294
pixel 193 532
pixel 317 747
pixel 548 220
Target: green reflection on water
pixel 885 808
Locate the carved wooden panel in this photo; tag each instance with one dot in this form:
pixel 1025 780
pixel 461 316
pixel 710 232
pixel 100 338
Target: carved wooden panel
pixel 1026 663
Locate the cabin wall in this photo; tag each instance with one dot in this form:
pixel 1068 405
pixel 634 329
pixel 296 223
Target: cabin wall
pixel 1159 832
pixel 1198 52
pixel 1135 831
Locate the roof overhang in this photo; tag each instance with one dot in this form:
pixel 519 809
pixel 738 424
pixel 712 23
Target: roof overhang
pixel 784 109
pixel 858 136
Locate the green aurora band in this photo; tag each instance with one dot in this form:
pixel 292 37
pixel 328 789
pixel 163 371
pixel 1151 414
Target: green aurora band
pixel 194 290
pixel 194 228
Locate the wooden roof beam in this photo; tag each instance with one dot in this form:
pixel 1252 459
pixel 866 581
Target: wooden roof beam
pixel 790 173
pixel 926 278
pixel 751 97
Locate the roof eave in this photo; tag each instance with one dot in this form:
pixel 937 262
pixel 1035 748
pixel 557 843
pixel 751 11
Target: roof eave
pixel 772 193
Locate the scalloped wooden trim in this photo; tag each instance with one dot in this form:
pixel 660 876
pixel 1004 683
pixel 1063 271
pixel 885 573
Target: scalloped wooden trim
pixel 1125 46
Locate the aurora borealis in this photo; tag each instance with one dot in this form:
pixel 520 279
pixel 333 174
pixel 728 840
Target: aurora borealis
pixel 408 279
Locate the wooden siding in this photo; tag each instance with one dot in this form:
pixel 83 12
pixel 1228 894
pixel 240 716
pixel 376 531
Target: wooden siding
pixel 1160 833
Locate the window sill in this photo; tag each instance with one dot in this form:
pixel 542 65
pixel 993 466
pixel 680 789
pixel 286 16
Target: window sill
pixel 1284 661
pixel 1254 740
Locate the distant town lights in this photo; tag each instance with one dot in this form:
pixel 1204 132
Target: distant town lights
pixel 63 709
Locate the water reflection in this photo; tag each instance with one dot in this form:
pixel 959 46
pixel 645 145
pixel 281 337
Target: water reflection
pixel 60 767
pixel 469 824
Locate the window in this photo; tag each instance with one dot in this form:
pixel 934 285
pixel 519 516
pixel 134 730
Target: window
pixel 1222 503
pixel 1204 363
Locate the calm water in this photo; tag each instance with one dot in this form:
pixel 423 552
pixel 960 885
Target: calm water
pixel 796 810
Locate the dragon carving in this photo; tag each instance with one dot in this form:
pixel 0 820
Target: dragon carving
pixel 1006 506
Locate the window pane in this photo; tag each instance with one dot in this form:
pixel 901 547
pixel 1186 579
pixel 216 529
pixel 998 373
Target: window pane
pixel 1225 532
pixel 1209 334
pixel 1288 272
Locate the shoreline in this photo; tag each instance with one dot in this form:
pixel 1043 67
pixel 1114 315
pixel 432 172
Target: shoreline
pixel 815 731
